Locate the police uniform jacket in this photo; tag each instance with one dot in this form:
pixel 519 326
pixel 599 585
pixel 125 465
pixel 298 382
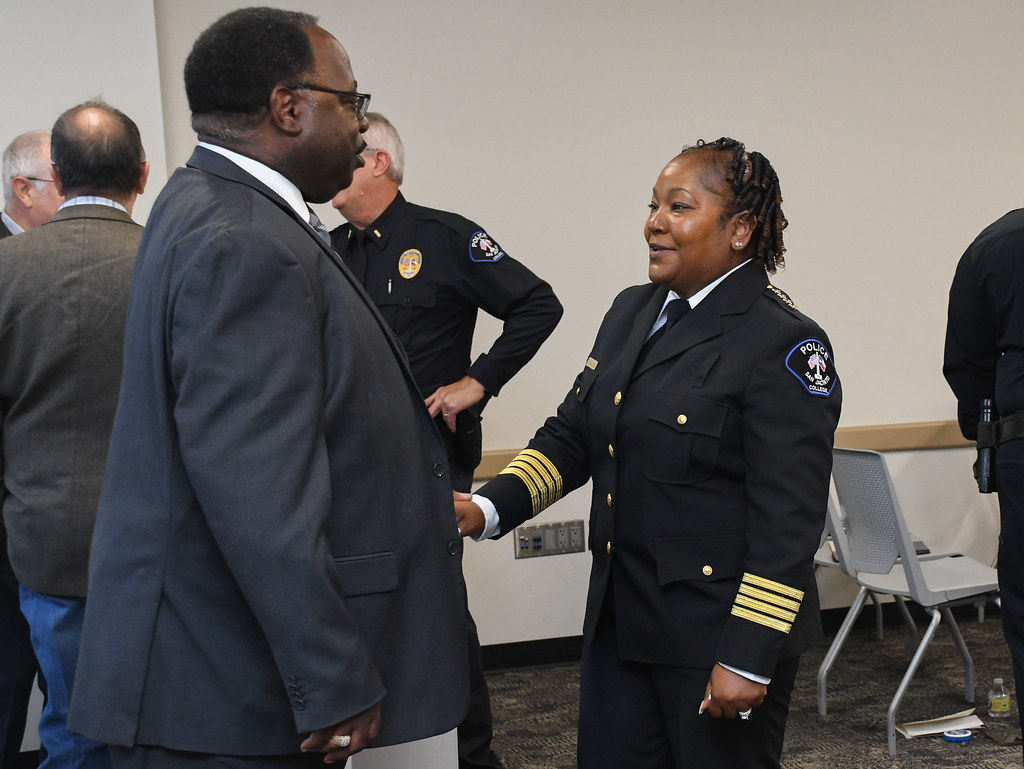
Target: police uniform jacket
pixel 984 355
pixel 710 467
pixel 428 272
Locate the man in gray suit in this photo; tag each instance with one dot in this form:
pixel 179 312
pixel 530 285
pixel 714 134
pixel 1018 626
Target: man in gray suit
pixel 275 575
pixel 30 194
pixel 63 299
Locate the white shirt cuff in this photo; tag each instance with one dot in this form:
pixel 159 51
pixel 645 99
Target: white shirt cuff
pixel 491 522
pixel 749 676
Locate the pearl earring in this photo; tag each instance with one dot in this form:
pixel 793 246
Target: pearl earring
pixel 738 244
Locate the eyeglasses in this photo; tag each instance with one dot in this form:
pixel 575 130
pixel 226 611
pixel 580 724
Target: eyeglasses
pixel 361 101
pixel 37 179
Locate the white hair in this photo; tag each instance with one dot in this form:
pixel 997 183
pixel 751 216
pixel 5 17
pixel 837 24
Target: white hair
pixel 24 157
pixel 381 135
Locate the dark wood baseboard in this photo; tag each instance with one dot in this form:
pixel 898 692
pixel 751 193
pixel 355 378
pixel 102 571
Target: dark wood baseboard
pixel 526 654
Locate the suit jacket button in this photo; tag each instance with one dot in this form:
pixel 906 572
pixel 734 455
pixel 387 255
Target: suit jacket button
pixel 608 547
pixel 438 469
pixel 707 571
pixel 609 500
pixel 618 398
pixel 681 419
pixel 299 705
pixel 453 547
pixel 611 450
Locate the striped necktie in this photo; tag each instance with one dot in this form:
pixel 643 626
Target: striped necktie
pixel 316 224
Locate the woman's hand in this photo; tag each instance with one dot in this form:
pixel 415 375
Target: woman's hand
pixel 468 516
pixel 729 694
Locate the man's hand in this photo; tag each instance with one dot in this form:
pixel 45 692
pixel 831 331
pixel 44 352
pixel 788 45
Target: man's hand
pixel 728 694
pixel 332 742
pixel 449 400
pixel 468 515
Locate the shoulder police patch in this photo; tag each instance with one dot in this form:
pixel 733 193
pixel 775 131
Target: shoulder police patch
pixel 482 248
pixel 811 363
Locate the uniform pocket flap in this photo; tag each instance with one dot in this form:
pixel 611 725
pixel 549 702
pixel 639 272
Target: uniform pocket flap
pixel 366 574
pixel 690 415
pixel 700 559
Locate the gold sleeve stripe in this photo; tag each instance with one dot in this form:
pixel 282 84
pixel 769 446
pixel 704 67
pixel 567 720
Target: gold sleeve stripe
pixel 765 608
pixel 777 587
pixel 544 475
pixel 528 482
pixel 764 595
pixel 760 619
pixel 540 476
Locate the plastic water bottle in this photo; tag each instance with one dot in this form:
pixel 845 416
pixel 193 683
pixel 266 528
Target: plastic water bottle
pixel 998 700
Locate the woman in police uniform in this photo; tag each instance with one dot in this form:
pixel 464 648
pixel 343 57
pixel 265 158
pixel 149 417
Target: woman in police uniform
pixel 709 446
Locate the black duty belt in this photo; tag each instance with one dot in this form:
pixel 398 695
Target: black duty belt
pixel 997 433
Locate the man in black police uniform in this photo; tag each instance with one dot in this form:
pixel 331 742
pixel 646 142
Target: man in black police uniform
pixel 984 358
pixel 429 272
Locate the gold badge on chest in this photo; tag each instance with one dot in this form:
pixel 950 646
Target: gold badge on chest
pixel 409 263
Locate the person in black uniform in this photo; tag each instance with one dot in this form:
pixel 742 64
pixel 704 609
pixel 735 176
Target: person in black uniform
pixel 429 272
pixel 984 358
pixel 705 416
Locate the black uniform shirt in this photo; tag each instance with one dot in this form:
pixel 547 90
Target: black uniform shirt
pixel 984 354
pixel 428 272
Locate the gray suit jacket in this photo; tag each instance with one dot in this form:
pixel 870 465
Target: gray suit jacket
pixel 63 298
pixel 276 547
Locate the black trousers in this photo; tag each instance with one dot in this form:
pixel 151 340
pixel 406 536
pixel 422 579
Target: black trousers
pixel 477 729
pixel 645 716
pixel 1010 483
pixel 18 669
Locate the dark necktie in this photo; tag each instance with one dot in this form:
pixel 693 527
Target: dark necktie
pixel 674 310
pixel 321 231
pixel 356 256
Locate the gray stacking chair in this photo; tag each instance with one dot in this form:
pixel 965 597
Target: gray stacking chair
pixel 882 553
pixel 835 552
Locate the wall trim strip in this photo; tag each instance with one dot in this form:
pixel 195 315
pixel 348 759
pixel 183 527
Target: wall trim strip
pixel 908 436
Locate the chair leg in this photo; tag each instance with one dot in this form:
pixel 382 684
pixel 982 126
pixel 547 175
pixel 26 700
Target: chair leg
pixel 879 625
pixel 901 604
pixel 894 706
pixel 837 644
pixel 954 629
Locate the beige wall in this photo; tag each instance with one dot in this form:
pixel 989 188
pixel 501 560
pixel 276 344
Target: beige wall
pixel 893 127
pixel 55 54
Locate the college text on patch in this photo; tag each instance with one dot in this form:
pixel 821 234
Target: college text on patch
pixel 811 363
pixel 482 248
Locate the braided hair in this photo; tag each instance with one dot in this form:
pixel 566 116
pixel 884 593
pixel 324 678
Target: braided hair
pixel 754 186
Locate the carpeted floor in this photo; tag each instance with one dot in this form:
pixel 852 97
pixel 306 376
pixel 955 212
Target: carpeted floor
pixel 535 709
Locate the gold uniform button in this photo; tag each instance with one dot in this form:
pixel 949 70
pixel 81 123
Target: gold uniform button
pixel 618 398
pixel 707 571
pixel 681 419
pixel 611 450
pixel 577 391
pixel 608 547
pixel 609 500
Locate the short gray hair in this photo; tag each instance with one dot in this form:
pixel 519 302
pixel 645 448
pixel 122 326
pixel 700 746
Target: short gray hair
pixel 23 157
pixel 381 135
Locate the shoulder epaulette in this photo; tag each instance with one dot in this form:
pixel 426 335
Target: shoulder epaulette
pixel 781 295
